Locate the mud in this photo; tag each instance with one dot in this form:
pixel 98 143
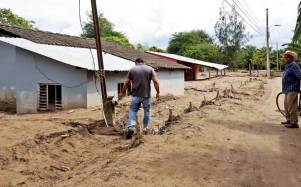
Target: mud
pixel 234 141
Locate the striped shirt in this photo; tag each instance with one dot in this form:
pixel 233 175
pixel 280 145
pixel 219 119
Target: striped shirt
pixel 291 78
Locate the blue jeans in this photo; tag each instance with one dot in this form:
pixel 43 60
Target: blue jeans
pixel 135 106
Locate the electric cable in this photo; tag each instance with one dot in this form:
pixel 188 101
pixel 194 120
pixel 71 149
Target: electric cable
pixel 244 19
pixel 50 79
pixel 246 16
pixel 247 12
pixel 96 74
pixel 251 10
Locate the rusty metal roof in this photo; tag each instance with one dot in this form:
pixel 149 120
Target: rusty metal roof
pixel 43 37
pixel 190 60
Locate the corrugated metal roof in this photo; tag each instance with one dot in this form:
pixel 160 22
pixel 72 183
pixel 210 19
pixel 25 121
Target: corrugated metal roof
pixel 74 56
pixel 190 60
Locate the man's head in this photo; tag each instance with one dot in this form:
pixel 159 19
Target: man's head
pixel 139 61
pixel 290 56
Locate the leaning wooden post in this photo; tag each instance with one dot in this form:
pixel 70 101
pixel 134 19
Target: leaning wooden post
pixel 108 107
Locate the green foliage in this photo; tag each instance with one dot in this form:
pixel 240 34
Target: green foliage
pixel 230 32
pixel 245 56
pixel 120 40
pixel 195 44
pixel 297 32
pixel 107 31
pixel 203 51
pixel 144 48
pixel 141 47
pixel 7 17
pixel 259 58
pixel 156 49
pixel 179 42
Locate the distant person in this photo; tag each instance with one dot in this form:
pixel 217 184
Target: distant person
pixel 291 88
pixel 140 78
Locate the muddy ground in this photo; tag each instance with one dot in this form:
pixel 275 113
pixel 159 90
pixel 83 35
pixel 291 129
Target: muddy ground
pixel 229 136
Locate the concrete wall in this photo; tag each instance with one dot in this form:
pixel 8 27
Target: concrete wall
pixel 7 77
pixel 22 71
pixel 112 81
pixel 33 69
pixel 171 82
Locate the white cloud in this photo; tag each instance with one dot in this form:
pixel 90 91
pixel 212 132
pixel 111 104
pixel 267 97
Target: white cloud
pixel 153 22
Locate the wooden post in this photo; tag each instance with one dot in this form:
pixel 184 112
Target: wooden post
pixel 209 72
pixel 108 106
pixel 250 69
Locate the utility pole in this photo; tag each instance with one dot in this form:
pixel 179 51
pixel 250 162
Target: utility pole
pixel 277 56
pixel 108 106
pixel 268 44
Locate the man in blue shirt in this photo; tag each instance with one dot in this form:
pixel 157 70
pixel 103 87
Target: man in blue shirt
pixel 291 88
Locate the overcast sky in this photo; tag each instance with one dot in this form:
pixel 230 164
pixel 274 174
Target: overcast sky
pixel 153 22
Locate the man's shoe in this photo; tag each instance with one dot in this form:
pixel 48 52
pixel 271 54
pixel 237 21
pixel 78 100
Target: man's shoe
pixel 146 130
pixel 285 122
pixel 292 126
pixel 129 135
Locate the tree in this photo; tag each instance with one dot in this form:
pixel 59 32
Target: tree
pixel 203 51
pixel 156 49
pixel 230 32
pixel 142 48
pixel 7 17
pixel 179 42
pixel 108 32
pixel 246 55
pixel 297 32
pixel 259 58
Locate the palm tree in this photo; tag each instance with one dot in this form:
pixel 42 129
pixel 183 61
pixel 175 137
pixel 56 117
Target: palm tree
pixel 297 32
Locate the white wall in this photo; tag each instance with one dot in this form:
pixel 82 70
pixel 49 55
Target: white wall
pixel 112 80
pixel 7 77
pixel 171 82
pixel 21 72
pixel 33 69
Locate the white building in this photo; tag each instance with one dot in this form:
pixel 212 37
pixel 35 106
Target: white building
pixel 198 69
pixel 46 71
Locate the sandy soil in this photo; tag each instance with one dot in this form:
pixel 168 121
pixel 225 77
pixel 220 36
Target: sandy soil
pixel 233 138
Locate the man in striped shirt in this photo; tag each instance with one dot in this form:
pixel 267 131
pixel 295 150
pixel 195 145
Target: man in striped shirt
pixel 291 88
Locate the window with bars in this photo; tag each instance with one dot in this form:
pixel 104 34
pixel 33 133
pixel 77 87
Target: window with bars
pixel 50 97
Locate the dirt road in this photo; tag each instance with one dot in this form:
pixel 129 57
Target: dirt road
pixel 235 140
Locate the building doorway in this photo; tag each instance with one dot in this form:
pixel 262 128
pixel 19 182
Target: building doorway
pixel 50 97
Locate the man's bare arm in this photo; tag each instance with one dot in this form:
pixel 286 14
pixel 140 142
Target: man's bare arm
pixel 156 85
pixel 124 89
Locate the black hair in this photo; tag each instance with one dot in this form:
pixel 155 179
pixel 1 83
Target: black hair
pixel 139 60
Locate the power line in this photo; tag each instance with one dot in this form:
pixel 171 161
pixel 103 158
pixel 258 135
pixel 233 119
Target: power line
pixel 247 11
pixel 250 21
pixel 244 19
pixel 251 10
pixel 250 25
pixel 96 75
